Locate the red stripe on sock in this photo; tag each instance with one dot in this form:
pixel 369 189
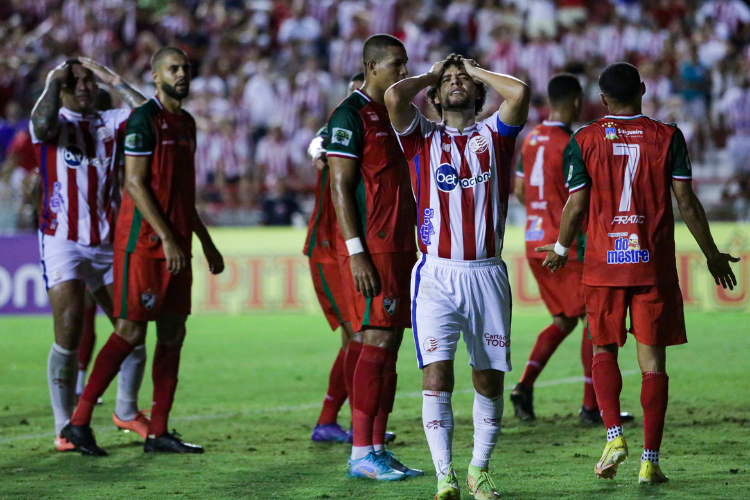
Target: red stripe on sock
pixel 544 347
pixel 166 364
pixel 654 399
pixel 608 386
pixel 336 393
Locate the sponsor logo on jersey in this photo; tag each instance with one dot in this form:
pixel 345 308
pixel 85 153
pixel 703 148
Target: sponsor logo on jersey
pixel 627 251
pixel 478 144
pixel 539 205
pixel 447 178
pixel 390 304
pixel 536 138
pixel 497 340
pixel 341 136
pixel 427 230
pixel 56 200
pixel 148 299
pixel 430 344
pixel 133 141
pixel 629 133
pixel 382 134
pixel 628 219
pixel 535 231
pixel 610 132
pixel 446 147
pixel 73 156
pixel 373 116
pixel 617 235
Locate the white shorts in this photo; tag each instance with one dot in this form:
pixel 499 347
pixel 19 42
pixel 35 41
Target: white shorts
pixel 64 260
pixel 454 296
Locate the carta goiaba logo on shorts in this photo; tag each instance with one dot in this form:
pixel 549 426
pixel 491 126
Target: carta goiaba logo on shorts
pixel 447 179
pixel 627 251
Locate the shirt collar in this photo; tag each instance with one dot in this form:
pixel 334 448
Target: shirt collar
pixel 624 117
pixel 547 123
pixel 454 131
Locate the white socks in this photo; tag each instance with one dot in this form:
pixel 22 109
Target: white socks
pixel 360 451
pixel 488 415
pixel 62 367
pixel 129 383
pixel 437 418
pixel 614 432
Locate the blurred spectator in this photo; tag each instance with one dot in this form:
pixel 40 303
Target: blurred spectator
pixel 280 205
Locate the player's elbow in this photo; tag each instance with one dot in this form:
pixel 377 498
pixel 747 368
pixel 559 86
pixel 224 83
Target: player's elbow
pixel 521 94
pixel 392 99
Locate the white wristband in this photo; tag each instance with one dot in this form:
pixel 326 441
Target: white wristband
pixel 354 246
pixel 560 250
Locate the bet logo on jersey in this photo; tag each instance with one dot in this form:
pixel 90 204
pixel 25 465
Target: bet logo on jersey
pixel 447 178
pixel 628 251
pixel 73 156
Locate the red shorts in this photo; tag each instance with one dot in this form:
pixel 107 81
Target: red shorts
pixel 656 314
pixel 561 291
pixel 391 308
pixel 330 291
pixel 144 288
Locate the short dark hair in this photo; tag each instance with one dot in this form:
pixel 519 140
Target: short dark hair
pixel 359 77
pixel 375 47
pixel 621 82
pixel 164 52
pixel 563 87
pixel 457 61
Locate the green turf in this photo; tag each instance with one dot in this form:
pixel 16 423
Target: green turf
pixel 250 391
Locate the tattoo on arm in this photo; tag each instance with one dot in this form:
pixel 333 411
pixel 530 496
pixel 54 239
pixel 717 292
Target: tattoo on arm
pixel 130 95
pixel 44 116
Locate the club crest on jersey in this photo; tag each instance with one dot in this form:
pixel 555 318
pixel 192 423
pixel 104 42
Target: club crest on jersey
pixel 390 304
pixel 73 156
pixel 430 344
pixel 148 299
pixel 426 230
pixel 56 200
pixel 478 144
pixel 341 136
pixel 447 178
pixel 133 141
pixel 535 231
pixel 627 251
pixel 610 132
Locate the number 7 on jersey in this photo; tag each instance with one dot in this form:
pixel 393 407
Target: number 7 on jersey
pixel 633 152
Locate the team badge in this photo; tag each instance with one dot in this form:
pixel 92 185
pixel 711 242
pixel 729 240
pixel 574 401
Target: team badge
pixel 73 156
pixel 426 230
pixel 390 304
pixel 446 147
pixel 341 136
pixel 56 275
pixel 532 141
pixel 148 299
pixel 133 141
pixel 610 131
pixel 430 344
pixel 535 231
pixel 478 144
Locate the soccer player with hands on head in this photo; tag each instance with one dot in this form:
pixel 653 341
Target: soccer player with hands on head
pixel 623 170
pixel 76 149
pixel 461 178
pixel 153 245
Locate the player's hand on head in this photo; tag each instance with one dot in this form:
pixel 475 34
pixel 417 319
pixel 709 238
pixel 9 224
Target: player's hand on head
pixel 102 72
pixel 59 73
pixel 553 261
pixel 214 258
pixel 721 270
pixel 176 260
pixel 437 68
pixel 366 279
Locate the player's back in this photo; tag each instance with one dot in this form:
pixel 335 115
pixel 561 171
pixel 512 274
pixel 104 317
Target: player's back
pixel 631 162
pixel 169 141
pixel 320 245
pixel 544 185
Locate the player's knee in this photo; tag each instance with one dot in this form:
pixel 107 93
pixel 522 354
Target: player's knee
pixel 132 332
pixel 565 323
pixel 489 383
pixel 438 376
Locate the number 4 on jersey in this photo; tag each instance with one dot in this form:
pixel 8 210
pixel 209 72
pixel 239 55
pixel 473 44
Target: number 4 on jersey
pixel 537 172
pixel 633 152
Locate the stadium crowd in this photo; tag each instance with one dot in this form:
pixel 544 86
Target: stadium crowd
pixel 267 73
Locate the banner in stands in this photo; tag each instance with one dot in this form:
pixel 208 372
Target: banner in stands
pixel 266 272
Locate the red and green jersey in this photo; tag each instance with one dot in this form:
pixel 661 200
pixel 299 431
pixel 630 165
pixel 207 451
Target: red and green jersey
pixel 360 129
pixel 168 139
pixel 320 245
pixel 630 163
pixel 541 168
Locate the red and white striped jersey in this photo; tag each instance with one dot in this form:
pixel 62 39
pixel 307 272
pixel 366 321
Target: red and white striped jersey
pixel 461 182
pixel 78 165
pixel 541 61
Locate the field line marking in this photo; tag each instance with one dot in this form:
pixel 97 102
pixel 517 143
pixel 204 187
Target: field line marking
pixel 305 406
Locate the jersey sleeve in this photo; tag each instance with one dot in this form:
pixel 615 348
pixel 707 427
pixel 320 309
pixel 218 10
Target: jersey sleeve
pixel 497 125
pixel 519 166
pixel 35 139
pixel 412 139
pixel 117 116
pixel 680 158
pixel 574 168
pixel 140 136
pixel 346 133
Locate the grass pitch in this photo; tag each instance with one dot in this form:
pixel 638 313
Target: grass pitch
pixel 251 389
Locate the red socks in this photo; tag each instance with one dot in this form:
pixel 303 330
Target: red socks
pixel 654 397
pixel 587 359
pixel 545 346
pixel 353 350
pixel 368 386
pixel 106 367
pixel 88 338
pixel 387 397
pixel 166 364
pixel 336 394
pixel 608 385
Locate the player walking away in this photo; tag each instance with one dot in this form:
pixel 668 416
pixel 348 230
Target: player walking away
pixel 153 276
pixel 375 243
pixel 620 172
pixel 562 292
pixel 461 177
pixel 320 248
pixel 76 149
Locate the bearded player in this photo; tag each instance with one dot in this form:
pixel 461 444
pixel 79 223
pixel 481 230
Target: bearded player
pixel 622 167
pixel 153 276
pixel 375 243
pixel 540 176
pixel 461 178
pixel 76 149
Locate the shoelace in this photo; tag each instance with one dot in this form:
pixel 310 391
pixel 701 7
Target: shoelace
pixel 484 478
pixel 381 460
pixel 176 435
